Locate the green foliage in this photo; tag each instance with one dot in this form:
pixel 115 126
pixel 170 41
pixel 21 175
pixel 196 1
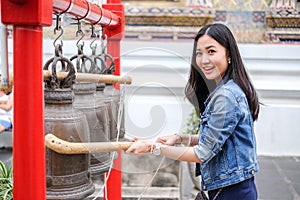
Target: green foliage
pixel 6 182
pixel 192 124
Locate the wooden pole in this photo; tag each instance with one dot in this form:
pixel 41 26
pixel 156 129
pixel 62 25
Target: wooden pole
pixel 64 147
pixel 88 77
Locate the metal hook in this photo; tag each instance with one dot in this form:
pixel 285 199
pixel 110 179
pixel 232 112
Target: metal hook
pixel 57 23
pixel 58 28
pixel 59 36
pixel 58 50
pixel 93 47
pixel 80 49
pixel 94 35
pixel 82 36
pixel 103 46
pixel 79 31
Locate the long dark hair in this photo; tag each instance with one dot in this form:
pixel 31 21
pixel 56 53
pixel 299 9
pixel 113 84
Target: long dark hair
pixel 198 87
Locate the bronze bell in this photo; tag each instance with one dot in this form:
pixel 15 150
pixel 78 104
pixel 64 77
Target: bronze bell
pixel 67 176
pixel 95 112
pixel 115 95
pixel 97 117
pixel 109 102
pixel 108 94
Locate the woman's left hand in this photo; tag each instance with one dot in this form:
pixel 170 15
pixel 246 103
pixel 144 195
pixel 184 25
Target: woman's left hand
pixel 140 147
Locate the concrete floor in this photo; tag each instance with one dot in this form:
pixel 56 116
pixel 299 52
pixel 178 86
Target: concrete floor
pixel 278 178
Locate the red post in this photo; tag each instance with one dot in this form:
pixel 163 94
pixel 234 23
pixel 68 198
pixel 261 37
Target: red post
pixel 27 18
pixel 114 182
pixel 29 150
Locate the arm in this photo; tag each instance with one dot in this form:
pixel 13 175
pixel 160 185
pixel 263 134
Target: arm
pixel 217 125
pixel 173 152
pixel 185 139
pixel 7 105
pixel 180 153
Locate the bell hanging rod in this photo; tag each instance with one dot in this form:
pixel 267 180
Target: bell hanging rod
pixel 64 147
pixel 93 78
pixel 82 9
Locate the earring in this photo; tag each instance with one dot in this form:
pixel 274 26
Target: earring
pixel 229 61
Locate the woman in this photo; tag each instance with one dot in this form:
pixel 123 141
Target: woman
pixel 221 91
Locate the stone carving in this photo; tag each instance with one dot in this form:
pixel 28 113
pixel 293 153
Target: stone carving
pixel 283 20
pixel 166 23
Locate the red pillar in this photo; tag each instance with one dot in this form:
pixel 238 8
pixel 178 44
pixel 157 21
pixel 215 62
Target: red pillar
pixel 29 150
pixel 114 182
pixel 27 18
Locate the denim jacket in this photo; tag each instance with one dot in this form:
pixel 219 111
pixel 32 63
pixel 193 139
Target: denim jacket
pixel 227 144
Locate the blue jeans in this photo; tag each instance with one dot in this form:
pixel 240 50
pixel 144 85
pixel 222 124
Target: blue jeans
pixel 245 190
pixel 6 124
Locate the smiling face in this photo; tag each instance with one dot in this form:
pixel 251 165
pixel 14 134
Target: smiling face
pixel 211 58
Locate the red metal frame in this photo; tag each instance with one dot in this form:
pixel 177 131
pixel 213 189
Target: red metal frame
pixel 114 182
pixel 28 17
pixel 28 151
pixel 81 9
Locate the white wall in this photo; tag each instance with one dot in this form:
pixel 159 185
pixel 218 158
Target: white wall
pixel 274 69
pixel 155 103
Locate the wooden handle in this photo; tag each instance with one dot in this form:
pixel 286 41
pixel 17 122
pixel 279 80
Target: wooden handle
pixel 95 78
pixel 64 147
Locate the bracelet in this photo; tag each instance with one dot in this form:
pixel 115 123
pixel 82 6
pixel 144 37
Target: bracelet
pixel 190 140
pixel 151 150
pixel 181 139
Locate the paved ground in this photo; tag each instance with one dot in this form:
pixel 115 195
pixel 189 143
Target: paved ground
pixel 5 155
pixel 278 179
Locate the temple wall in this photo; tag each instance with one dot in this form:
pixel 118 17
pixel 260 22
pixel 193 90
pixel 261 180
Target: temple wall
pixel 259 21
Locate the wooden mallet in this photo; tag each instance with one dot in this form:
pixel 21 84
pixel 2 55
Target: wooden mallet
pixel 64 147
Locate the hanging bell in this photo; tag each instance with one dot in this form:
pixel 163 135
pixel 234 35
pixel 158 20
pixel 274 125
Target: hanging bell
pixel 109 102
pixel 67 176
pixel 96 114
pixel 100 68
pixel 113 100
pixel 115 96
pixel 102 97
